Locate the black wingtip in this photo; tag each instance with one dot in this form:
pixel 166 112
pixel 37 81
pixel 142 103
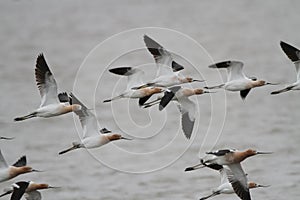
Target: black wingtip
pixel 107 100
pixel 224 64
pixel 189 169
pixel 244 93
pixel 63 97
pixel 291 51
pixel 121 70
pixel 21 162
pixel 176 67
pixel 40 55
pixel 143 100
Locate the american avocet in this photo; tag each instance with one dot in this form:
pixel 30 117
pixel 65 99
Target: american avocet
pixel 237 81
pixel 31 190
pixel 225 186
pixel 232 159
pixel 186 106
pixel 294 55
pixel 168 70
pixel 19 189
pixel 50 105
pixel 9 172
pixel 92 137
pixel 134 79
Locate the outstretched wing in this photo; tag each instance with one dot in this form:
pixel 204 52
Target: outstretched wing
pixel 188 111
pixel 87 118
pixel 162 57
pixel 234 69
pixel 244 93
pixel 168 96
pixel 45 82
pixel 293 54
pixel 134 75
pixel 19 190
pixel 238 180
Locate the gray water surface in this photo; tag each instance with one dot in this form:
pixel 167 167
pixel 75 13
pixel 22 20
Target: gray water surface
pixel 66 31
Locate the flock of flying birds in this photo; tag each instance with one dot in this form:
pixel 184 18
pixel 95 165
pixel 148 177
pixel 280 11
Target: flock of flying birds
pixel 168 83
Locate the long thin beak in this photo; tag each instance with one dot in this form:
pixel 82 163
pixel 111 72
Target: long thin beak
pixel 263 185
pixel 196 80
pixel 268 83
pixel 208 92
pixel 198 166
pixel 54 187
pixel 35 170
pixel 124 138
pixel 261 152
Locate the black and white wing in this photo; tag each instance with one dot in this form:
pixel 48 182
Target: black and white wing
pixel 19 189
pixel 134 75
pixel 293 54
pixel 168 96
pixel 21 162
pixel 234 69
pixel 45 82
pixel 239 181
pixel 165 63
pixel 221 152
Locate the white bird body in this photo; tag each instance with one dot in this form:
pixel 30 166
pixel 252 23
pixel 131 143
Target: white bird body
pixel 5 174
pixel 140 93
pixel 94 141
pixel 134 79
pixel 167 80
pixel 238 85
pixel 186 106
pixel 50 104
pixel 236 80
pixel 52 110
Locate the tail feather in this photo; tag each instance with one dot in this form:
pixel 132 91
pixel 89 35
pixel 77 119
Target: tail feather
pixel 31 115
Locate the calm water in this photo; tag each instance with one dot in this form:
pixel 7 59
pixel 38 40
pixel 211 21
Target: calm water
pixel 152 166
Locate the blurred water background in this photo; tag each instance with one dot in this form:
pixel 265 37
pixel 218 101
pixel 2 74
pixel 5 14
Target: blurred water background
pixel 152 166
